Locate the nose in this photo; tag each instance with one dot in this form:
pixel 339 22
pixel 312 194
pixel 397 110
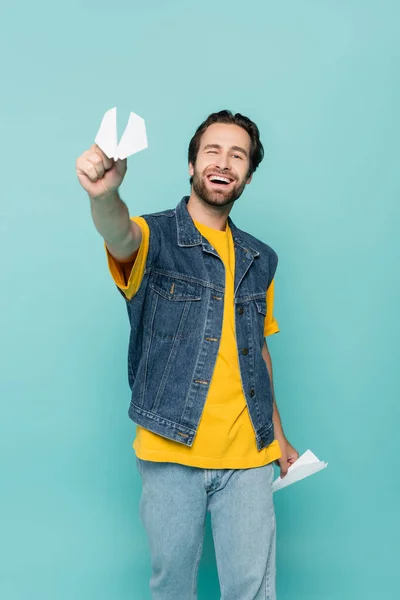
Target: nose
pixel 222 161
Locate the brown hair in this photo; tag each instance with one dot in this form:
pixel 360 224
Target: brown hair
pixel 226 116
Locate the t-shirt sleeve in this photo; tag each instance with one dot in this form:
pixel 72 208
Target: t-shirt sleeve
pixel 271 324
pixel 128 276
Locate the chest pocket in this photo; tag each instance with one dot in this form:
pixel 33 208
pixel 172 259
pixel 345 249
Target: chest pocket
pixel 176 306
pixel 175 290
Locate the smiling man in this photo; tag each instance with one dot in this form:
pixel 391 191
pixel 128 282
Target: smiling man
pixel 200 297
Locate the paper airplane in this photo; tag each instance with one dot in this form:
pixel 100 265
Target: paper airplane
pixel 134 138
pixel 307 464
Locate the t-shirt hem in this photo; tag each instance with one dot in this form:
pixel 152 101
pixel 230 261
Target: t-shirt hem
pixel 206 462
pixel 268 332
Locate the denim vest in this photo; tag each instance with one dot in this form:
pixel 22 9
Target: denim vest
pixel 176 323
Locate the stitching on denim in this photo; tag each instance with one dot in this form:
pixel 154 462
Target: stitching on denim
pixel 196 567
pixel 190 278
pixel 161 420
pixel 146 356
pixel 269 574
pixel 171 357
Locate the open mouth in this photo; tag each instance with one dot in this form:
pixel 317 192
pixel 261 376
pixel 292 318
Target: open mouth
pixel 219 180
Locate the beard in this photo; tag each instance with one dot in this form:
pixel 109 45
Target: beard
pixel 217 197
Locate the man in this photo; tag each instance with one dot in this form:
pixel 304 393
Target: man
pixel 199 294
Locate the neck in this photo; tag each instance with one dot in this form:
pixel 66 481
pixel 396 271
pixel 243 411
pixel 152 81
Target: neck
pixel 211 216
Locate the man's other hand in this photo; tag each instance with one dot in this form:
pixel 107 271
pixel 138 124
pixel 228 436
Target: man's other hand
pixel 289 456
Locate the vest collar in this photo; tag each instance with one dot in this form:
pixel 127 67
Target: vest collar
pixel 189 235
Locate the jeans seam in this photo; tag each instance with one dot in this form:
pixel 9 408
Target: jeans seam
pixel 196 567
pixel 268 593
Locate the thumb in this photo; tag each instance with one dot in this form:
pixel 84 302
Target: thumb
pixel 284 468
pixel 121 166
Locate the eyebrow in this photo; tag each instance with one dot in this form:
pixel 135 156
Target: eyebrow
pixel 218 147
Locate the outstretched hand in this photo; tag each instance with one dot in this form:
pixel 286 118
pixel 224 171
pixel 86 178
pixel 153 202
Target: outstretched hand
pixel 99 175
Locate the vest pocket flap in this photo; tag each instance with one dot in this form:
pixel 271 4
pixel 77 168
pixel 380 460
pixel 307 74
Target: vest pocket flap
pixel 261 304
pixel 175 289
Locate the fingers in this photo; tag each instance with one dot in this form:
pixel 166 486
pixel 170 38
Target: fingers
pixel 93 169
pixel 108 162
pixel 284 471
pixel 293 456
pixel 283 468
pixel 94 163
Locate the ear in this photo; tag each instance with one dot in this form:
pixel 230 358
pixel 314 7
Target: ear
pixel 191 170
pixel 249 179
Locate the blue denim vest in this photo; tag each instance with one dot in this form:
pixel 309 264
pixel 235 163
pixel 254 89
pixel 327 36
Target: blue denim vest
pixel 176 323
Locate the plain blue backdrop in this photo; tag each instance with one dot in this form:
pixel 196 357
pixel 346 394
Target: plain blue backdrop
pixel 321 80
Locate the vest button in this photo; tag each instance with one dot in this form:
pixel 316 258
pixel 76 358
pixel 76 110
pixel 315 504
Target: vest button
pixel 245 351
pixel 240 310
pixel 252 393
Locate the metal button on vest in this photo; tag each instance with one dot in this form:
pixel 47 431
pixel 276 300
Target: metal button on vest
pixel 240 310
pixel 245 351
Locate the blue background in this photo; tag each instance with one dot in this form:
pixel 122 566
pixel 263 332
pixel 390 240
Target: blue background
pixel 321 79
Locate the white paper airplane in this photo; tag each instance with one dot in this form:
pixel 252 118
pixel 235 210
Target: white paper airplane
pixel 134 138
pixel 307 464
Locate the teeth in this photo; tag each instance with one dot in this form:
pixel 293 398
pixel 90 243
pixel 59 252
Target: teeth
pixel 223 179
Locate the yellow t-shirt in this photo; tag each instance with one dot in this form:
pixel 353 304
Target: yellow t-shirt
pixel 225 438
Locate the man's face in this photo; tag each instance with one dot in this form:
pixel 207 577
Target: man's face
pixel 224 152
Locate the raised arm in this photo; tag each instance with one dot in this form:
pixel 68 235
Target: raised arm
pixel 101 177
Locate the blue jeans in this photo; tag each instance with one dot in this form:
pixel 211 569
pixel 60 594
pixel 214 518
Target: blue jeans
pixel 173 507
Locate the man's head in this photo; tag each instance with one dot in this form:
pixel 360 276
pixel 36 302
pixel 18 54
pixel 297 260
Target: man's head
pixel 225 146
